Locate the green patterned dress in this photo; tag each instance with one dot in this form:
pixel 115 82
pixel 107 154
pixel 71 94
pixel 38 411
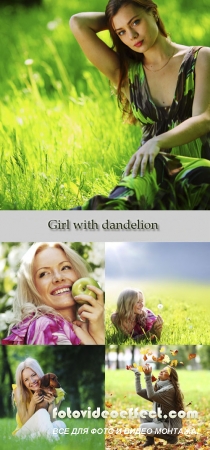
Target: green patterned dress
pixel 181 178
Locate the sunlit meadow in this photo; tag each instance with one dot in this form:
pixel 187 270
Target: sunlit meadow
pixel 61 134
pixel 183 307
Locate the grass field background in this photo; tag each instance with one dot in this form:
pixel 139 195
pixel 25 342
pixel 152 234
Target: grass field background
pixel 61 134
pixel 184 311
pixel 75 441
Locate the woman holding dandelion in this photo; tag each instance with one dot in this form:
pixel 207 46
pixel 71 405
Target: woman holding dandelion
pixel 163 86
pixel 33 422
pixel 166 396
pixel 133 319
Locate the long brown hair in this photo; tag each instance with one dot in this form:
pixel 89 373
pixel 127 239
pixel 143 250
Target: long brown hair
pixel 179 397
pixel 126 54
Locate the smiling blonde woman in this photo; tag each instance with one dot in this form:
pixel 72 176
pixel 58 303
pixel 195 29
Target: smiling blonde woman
pixel 45 312
pixel 31 423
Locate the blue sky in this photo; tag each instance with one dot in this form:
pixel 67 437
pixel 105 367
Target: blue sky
pixel 159 260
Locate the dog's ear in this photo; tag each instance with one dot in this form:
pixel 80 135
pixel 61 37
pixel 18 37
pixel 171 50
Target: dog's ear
pixel 52 375
pixel 53 380
pixel 45 380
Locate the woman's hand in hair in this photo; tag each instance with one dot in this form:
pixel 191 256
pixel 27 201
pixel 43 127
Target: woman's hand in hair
pixel 94 313
pixel 143 158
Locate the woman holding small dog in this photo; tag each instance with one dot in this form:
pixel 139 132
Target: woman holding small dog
pixel 33 419
pixel 45 311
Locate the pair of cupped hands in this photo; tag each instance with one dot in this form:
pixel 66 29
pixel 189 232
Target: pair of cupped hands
pixel 147 369
pixel 48 397
pixel 91 323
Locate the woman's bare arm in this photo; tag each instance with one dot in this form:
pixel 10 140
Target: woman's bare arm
pixel 85 27
pixel 31 407
pixel 187 131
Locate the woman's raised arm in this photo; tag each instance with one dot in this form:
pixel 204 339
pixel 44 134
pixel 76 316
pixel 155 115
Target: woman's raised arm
pixel 85 27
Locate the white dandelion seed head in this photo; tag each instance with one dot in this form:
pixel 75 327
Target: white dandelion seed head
pixel 28 62
pixel 53 24
pixel 160 306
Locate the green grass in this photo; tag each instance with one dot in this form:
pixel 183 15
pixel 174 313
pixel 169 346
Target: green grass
pixel 61 135
pixel 185 310
pixel 75 442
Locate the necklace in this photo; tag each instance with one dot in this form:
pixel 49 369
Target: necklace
pixel 157 70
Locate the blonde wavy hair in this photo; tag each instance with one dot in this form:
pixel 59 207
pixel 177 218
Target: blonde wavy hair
pixel 27 300
pixel 125 305
pixel 23 394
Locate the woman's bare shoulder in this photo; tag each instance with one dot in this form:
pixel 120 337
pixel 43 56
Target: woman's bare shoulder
pixel 204 53
pixel 203 61
pixel 181 49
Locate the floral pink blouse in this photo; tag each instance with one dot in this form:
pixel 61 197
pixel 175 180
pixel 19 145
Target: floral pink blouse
pixel 44 330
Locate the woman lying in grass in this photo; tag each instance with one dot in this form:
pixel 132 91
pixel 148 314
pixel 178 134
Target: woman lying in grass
pixel 133 319
pixel 164 87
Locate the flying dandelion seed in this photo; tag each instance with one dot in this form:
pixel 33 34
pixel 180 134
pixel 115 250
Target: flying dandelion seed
pixel 53 24
pixel 160 306
pixel 28 62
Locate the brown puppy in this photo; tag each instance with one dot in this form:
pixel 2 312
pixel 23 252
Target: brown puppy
pixel 48 382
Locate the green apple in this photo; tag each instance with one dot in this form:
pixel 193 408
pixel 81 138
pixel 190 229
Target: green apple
pixel 80 288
